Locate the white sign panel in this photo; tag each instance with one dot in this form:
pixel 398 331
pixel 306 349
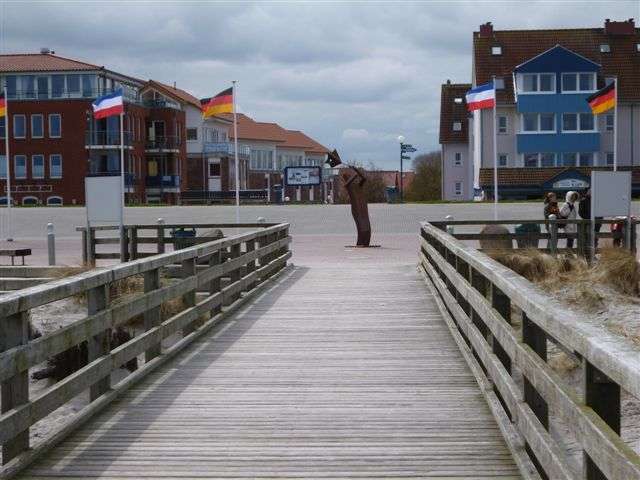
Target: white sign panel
pixel 570 184
pixel 302 176
pixel 610 193
pixel 103 199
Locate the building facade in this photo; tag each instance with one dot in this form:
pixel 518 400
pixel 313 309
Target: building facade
pixel 547 138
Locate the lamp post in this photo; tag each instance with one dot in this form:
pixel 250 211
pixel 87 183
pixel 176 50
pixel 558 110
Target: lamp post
pixel 404 148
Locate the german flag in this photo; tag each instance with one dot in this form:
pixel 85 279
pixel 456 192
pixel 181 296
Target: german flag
pixel 221 103
pixel 603 100
pixel 3 105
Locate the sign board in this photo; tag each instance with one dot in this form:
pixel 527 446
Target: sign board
pixel 302 176
pixel 103 199
pixel 610 193
pixel 570 184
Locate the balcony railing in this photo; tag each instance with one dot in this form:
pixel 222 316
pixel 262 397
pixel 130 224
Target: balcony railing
pixel 62 95
pixel 160 104
pixel 225 148
pixel 166 181
pixel 108 138
pixel 164 143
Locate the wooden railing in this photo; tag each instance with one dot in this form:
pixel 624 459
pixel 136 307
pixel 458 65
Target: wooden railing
pixel 503 325
pixel 136 235
pixel 227 284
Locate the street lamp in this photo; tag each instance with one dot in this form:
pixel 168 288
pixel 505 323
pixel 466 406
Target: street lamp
pixel 404 148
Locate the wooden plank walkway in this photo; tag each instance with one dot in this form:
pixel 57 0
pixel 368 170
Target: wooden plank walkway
pixel 335 372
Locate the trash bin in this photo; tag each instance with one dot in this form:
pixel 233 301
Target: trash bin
pixel 392 194
pixel 183 237
pixel 526 229
pixel 276 194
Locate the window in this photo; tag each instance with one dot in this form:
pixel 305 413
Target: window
pixel 3 123
pixel 89 88
pixel 547 82
pixel 55 166
pixel 544 159
pixel 28 86
pixel 569 159
pixel 578 122
pixel 530 122
pixel 20 166
pixel 637 47
pixel 530 83
pixel 54 201
pixel 29 201
pixel 586 159
pixel 609 158
pixel 57 86
pixel 496 50
pixel 538 83
pixel 458 100
pixel 192 134
pixel 19 126
pixel 538 122
pixel 502 159
pixel 37 166
pixel 457 126
pixel 547 122
pixel 458 188
pixel 73 85
pixel 262 160
pixel 214 169
pixel 608 121
pixel 3 166
pixel 37 126
pixel 605 48
pixel 547 159
pixel 531 160
pixel 499 83
pixel 458 159
pixel 578 82
pixel 502 124
pixel 55 125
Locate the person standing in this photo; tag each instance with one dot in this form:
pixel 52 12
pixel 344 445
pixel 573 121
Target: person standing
pixel 550 206
pixel 568 212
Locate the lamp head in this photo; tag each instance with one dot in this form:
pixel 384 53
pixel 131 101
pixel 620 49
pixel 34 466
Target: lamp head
pixel 400 138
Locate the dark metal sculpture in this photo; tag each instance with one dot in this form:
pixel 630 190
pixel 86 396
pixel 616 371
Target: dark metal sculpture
pixel 354 181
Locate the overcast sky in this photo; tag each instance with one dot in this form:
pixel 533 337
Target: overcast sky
pixel 352 75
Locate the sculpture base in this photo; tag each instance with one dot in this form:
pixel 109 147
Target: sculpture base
pixel 362 246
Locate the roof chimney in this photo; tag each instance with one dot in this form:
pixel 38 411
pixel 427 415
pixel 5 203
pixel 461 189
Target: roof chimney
pixel 620 28
pixel 45 51
pixel 174 84
pixel 486 30
pixel 448 81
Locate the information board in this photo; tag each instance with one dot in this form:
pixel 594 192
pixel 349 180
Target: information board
pixel 610 193
pixel 103 199
pixel 302 176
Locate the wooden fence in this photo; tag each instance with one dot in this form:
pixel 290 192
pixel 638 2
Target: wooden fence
pixel 159 234
pixel 503 325
pixel 228 284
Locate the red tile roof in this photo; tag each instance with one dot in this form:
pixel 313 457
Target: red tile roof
pixel 518 46
pixel 297 139
pixel 42 62
pixel 538 176
pixel 176 93
pixel 451 112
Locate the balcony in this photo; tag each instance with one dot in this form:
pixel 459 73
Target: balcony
pixel 163 144
pixel 160 104
pixel 225 148
pixel 106 139
pixel 54 94
pixel 163 181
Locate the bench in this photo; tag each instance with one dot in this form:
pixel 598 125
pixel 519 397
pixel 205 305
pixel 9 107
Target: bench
pixel 15 252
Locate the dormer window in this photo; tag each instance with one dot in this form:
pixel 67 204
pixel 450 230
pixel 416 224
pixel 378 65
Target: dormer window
pixel 536 83
pixel 605 48
pixel 457 100
pixel 457 126
pixel 578 82
pixel 496 50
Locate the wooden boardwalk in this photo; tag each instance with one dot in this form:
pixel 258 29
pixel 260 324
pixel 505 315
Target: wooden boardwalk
pixel 334 372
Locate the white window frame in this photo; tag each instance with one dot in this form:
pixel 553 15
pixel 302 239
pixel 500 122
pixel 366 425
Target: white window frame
pixel 538 131
pixel 15 166
pixel 49 117
pixel 506 160
pixel 4 158
pixel 607 127
pixel 24 120
pixel 579 123
pixel 524 162
pixel 506 125
pixel 29 197
pixel 51 175
pixel 520 84
pixel 457 100
pixel 605 48
pixel 555 160
pixel 496 50
pixel 577 74
pixel 606 158
pixel 579 159
pixel 457 126
pixel 457 188
pixel 31 118
pixel 192 129
pixel 55 204
pixel 457 159
pixel 33 166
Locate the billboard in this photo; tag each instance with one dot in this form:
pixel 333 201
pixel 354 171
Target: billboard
pixel 302 176
pixel 103 199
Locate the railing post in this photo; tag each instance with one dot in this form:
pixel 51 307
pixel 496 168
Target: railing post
pixel 152 316
pixel 85 247
pixel 15 390
pixel 234 275
pixel 250 246
pixel 91 242
pixel 603 396
pixel 582 240
pixel 160 235
pixel 124 245
pixel 100 344
pixel 214 285
pixel 502 304
pixel 51 244
pixel 634 237
pixel 553 235
pixel 133 243
pixel 189 299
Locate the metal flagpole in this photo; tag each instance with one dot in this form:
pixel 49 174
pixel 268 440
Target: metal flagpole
pixel 495 153
pixel 8 161
pixel 122 237
pixel 235 149
pixel 615 126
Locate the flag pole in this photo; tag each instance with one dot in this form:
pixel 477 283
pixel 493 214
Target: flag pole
pixel 615 126
pixel 495 153
pixel 8 161
pixel 235 149
pixel 122 237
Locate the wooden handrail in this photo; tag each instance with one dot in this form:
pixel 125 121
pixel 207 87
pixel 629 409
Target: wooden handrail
pixel 479 294
pixel 211 285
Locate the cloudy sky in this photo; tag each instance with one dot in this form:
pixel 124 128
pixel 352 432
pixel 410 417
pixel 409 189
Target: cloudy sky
pixel 353 75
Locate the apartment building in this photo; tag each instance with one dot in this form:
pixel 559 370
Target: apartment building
pixel 547 138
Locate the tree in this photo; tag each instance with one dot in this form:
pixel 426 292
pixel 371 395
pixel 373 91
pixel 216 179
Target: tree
pixel 427 183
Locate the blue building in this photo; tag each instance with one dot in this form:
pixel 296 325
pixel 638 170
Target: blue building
pixel 547 138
